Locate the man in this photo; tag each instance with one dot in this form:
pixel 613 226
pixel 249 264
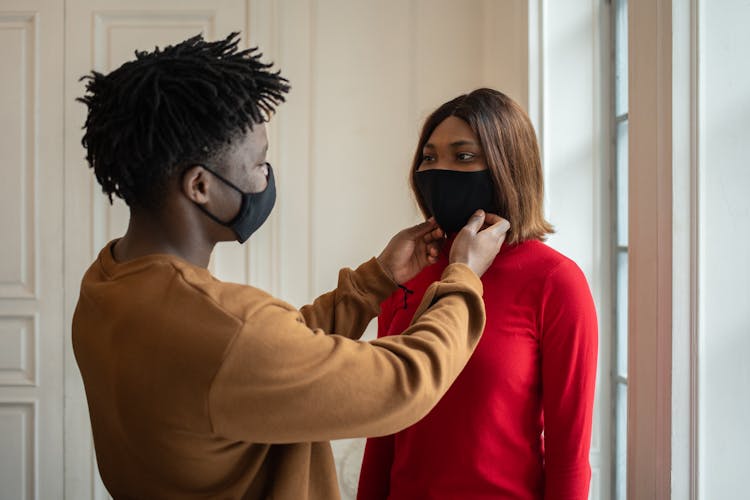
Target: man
pixel 203 389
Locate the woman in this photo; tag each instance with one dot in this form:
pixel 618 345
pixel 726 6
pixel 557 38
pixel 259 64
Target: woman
pixel 516 424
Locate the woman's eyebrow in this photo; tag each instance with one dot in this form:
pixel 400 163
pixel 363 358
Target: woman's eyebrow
pixel 464 142
pixel 455 144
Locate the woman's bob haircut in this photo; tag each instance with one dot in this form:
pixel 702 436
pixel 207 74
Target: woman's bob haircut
pixel 511 152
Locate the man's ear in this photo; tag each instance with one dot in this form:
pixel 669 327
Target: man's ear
pixel 194 184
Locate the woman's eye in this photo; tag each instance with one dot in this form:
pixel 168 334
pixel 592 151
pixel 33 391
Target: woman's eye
pixel 427 158
pixel 466 156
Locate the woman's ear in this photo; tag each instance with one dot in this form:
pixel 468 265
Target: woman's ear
pixel 195 184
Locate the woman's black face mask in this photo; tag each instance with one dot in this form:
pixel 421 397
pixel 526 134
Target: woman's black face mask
pixel 452 196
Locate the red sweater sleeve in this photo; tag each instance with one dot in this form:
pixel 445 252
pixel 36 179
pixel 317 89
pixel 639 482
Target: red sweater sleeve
pixel 569 355
pixel 374 477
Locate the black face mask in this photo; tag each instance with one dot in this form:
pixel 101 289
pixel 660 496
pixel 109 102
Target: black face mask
pixel 453 196
pixel 254 208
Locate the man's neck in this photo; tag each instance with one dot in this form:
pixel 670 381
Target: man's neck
pixel 146 235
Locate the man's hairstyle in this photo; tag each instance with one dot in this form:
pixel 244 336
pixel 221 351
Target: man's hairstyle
pixel 153 115
pixel 511 152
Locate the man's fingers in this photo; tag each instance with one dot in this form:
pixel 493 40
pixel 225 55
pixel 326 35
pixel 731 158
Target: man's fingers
pixel 434 235
pixel 475 221
pixel 490 218
pixel 422 229
pixel 500 227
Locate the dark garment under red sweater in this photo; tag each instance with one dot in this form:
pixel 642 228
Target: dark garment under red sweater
pixel 516 424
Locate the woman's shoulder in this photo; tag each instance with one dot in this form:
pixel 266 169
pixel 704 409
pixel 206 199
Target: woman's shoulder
pixel 535 263
pixel 559 274
pixel 534 255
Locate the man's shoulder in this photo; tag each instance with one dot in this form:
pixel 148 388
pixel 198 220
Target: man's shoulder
pixel 166 284
pixel 235 299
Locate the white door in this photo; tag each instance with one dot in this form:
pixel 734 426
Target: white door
pixel 31 243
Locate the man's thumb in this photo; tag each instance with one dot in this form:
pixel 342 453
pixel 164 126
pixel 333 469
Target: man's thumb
pixel 476 221
pixel 500 228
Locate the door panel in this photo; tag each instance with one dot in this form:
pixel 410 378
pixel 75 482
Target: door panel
pixel 31 314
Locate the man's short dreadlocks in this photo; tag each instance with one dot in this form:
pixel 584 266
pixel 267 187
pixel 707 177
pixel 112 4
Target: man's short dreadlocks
pixel 185 103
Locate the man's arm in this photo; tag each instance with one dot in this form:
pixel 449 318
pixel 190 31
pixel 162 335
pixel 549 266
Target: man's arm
pixel 348 310
pixel 282 382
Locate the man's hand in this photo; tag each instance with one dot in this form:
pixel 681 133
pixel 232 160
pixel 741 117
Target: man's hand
pixel 477 247
pixel 411 250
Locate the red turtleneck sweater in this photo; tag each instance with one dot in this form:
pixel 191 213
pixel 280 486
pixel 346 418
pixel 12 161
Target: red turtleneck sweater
pixel 516 424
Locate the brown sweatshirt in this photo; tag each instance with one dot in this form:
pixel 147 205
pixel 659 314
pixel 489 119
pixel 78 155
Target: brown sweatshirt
pixel 203 389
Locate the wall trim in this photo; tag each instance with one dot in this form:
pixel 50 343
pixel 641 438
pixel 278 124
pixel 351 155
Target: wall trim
pixel 536 86
pixel 686 249
pixel 697 162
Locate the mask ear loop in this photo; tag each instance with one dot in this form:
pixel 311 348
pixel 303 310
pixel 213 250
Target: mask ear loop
pixel 222 179
pixel 407 292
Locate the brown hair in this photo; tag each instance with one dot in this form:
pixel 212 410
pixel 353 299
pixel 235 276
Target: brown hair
pixel 511 151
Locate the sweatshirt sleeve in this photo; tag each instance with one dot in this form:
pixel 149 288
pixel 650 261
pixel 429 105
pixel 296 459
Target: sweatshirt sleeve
pixel 375 475
pixel 282 382
pixel 569 352
pixel 348 309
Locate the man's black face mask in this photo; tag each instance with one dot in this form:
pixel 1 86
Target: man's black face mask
pixel 254 209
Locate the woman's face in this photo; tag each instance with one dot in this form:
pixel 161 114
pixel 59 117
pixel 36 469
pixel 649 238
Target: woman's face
pixel 453 146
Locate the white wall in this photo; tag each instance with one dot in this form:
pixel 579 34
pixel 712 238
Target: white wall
pixel 724 247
